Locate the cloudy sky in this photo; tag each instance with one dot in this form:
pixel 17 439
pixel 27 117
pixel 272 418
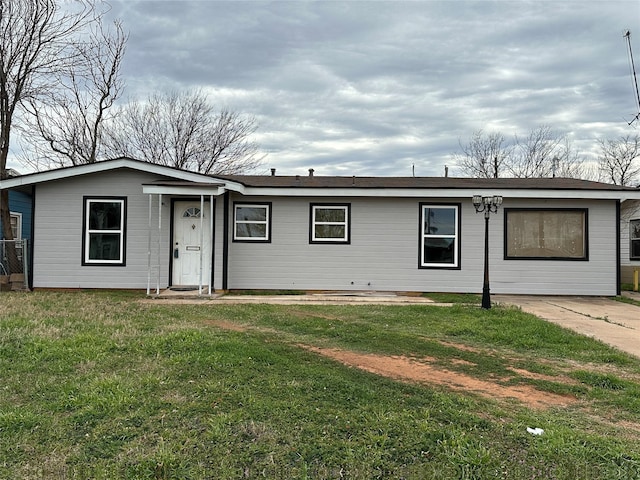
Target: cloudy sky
pixel 377 87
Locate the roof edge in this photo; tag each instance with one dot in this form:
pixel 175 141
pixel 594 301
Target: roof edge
pixel 102 166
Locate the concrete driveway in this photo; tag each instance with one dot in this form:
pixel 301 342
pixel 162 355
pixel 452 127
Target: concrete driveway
pixel 614 323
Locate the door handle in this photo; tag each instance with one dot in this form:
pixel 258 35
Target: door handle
pixel 176 253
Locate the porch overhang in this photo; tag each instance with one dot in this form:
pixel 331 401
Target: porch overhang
pixel 206 191
pixel 184 188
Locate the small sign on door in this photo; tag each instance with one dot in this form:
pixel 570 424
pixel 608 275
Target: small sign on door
pixel 193 248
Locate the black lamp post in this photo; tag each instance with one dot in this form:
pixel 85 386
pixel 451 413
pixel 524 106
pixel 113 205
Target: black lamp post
pixel 487 205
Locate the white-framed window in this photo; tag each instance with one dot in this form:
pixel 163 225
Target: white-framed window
pixel 329 223
pixel 104 227
pixel 16 225
pixel 252 222
pixel 634 239
pixel 546 234
pixel 439 235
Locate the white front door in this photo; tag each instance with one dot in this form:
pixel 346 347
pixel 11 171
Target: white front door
pixel 191 243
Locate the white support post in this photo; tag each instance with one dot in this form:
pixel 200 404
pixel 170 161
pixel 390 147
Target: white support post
pixel 201 242
pixel 159 240
pixel 149 249
pixel 212 243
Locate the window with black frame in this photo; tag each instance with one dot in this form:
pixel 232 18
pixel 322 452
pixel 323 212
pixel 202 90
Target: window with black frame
pixel 439 236
pixel 330 223
pixel 546 234
pixel 634 239
pixel 252 222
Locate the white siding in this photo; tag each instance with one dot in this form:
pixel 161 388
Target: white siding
pixel 597 276
pixel 383 254
pixel 58 232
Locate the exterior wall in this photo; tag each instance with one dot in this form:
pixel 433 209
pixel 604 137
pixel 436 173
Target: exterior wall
pixel 58 232
pixel 218 244
pixel 597 276
pixel 383 253
pixel 629 210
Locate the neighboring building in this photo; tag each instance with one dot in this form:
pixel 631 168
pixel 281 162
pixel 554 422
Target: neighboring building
pixel 20 207
pixel 128 224
pixel 629 240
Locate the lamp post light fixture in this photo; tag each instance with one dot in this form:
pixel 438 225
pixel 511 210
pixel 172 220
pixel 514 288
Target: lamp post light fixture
pixel 488 205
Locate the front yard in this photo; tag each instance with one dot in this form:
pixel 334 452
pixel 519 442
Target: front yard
pixel 100 385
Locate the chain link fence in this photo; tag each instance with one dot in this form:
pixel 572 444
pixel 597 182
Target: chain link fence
pixel 14 271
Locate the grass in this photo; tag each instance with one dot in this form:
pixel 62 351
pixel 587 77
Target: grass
pixel 99 385
pixel 630 301
pixel 470 298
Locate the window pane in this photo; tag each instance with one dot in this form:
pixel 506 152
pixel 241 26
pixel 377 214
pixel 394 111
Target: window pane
pixel 439 221
pixel 634 231
pixel 104 246
pixel 255 214
pixel 330 214
pixel 330 231
pixel 251 230
pixel 635 249
pixel 439 250
pixel 191 212
pixel 15 220
pixel 546 234
pixel 104 215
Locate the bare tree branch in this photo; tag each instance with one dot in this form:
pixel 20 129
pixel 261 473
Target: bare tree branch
pixel 543 153
pixel 619 160
pixel 537 155
pixel 37 39
pixel 67 128
pixel 183 130
pixel 484 156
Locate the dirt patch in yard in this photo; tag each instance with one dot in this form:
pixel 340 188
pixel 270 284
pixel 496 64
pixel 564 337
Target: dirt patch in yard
pixel 422 370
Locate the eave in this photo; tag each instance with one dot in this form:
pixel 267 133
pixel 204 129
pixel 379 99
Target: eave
pixel 621 195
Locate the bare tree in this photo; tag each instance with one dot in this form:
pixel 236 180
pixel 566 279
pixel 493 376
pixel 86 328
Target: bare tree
pixel 543 153
pixel 67 128
pixel 37 40
pixel 537 155
pixel 619 160
pixel 183 130
pixel 484 156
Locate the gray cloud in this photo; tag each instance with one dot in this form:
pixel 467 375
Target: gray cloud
pixel 372 88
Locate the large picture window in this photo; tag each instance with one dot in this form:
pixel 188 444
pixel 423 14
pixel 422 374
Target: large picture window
pixel 330 223
pixel 104 231
pixel 252 222
pixel 546 234
pixel 439 236
pixel 634 239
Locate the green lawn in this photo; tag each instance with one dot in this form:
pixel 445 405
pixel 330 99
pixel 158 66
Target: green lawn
pixel 103 386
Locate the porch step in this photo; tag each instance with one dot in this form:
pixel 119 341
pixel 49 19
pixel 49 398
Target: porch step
pixel 186 294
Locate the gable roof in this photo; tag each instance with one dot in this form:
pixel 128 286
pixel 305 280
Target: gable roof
pixel 107 165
